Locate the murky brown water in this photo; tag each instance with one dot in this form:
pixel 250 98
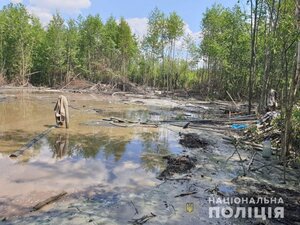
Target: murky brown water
pixel 118 159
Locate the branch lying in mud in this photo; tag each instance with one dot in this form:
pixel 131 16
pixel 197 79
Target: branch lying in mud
pixel 185 194
pixel 251 161
pixel 128 123
pixel 142 220
pixel 31 143
pixel 136 211
pixel 179 178
pixel 216 129
pixel 48 201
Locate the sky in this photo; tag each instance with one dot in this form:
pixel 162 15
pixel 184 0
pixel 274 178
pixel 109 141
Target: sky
pixel 134 11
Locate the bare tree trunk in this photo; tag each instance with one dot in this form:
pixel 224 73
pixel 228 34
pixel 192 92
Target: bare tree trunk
pixel 253 53
pixel 295 84
pixel 273 22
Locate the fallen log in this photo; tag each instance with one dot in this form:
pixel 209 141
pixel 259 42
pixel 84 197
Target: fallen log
pixel 30 143
pixel 48 201
pixel 216 129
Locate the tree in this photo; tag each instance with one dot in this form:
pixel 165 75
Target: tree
pixel 72 49
pixel 293 90
pixel 18 41
pixel 55 50
pixel 91 43
pixel 174 31
pixel 225 50
pixel 110 38
pixel 126 45
pixel 156 39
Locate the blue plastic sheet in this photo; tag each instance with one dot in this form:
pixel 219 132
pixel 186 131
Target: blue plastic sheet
pixel 239 126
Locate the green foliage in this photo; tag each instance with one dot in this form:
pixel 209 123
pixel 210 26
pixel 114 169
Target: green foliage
pixel 103 52
pixel 55 50
pixel 225 46
pixel 90 42
pixel 19 36
pixel 296 127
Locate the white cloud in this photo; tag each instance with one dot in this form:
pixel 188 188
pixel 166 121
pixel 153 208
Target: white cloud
pixel 138 26
pixel 43 14
pixel 73 6
pixel 44 9
pixel 187 31
pixel 16 1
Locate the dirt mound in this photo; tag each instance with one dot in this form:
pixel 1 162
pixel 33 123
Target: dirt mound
pixel 180 164
pixel 192 140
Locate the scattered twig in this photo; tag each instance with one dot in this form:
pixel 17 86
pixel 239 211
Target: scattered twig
pixel 185 194
pixel 251 161
pixel 232 99
pixel 48 201
pixel 186 125
pixel 179 178
pixel 136 211
pixel 143 219
pixel 214 190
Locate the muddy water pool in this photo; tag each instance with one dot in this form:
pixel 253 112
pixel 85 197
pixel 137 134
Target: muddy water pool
pixel 117 159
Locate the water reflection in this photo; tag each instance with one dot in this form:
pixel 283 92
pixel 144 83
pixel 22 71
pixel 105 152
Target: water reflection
pixel 144 148
pixel 61 148
pixel 122 160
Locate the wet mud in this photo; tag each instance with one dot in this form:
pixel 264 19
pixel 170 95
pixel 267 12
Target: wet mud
pixel 110 173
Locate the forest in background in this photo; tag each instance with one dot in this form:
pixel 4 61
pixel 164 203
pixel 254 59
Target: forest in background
pixel 240 52
pixel 244 53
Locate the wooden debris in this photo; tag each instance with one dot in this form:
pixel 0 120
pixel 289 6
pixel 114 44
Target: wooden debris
pixel 136 211
pixel 185 194
pixel 186 125
pixel 232 100
pixel 178 178
pixel 142 220
pixel 251 161
pixel 265 129
pixel 128 123
pixel 214 190
pixel 48 201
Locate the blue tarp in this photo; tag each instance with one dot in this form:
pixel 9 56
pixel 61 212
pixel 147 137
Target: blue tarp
pixel 239 126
